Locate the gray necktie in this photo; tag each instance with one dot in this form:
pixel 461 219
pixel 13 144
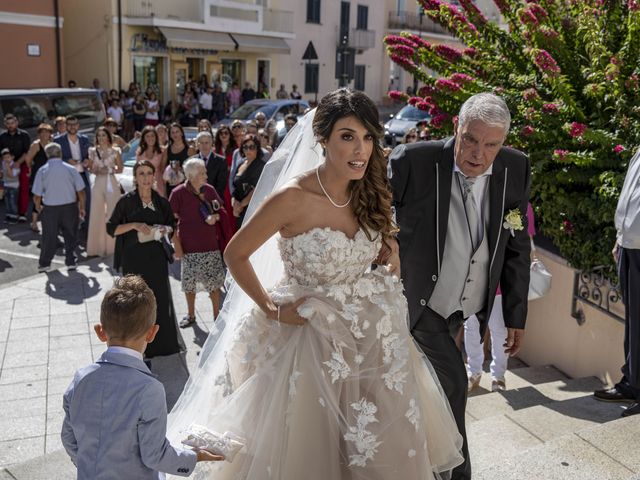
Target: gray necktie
pixel 471 209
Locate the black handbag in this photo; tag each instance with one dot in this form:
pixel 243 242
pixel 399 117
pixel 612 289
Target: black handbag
pixel 168 249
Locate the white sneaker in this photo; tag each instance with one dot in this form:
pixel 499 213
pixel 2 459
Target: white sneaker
pixel 474 380
pixel 498 385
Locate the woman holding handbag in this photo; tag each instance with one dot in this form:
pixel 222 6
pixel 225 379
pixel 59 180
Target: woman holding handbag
pixel 141 223
pixel 201 237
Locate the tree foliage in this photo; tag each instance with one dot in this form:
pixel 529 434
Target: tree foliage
pixel 570 73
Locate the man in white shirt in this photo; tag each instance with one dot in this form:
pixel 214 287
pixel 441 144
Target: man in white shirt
pixel 206 104
pixel 626 253
pixel 115 111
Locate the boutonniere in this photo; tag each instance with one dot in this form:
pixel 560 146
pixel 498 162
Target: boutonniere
pixel 513 221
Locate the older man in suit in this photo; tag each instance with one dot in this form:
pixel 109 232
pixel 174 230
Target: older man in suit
pixel 216 165
pixel 460 204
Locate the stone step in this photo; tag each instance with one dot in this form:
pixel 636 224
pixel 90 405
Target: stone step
pixel 603 452
pixel 520 377
pixel 512 432
pixel 518 398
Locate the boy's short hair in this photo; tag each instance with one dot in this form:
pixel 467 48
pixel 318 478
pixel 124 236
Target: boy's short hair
pixel 128 310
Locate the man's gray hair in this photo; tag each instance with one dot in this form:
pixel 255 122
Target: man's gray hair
pixel 192 166
pixel 203 134
pixel 490 109
pixel 53 150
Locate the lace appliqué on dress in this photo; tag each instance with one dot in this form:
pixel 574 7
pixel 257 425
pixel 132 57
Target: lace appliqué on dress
pixel 365 442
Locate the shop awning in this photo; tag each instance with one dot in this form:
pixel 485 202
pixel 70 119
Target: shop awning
pixel 256 43
pixel 186 38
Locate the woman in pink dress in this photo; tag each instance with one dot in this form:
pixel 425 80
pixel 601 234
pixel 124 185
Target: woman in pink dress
pixel 151 150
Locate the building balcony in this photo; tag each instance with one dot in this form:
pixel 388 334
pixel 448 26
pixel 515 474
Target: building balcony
pixel 362 39
pixel 249 16
pixel 403 20
pixel 356 39
pixel 185 10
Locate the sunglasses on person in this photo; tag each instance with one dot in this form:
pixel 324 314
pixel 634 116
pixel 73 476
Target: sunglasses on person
pixel 224 132
pixel 411 136
pixel 248 146
pixel 236 126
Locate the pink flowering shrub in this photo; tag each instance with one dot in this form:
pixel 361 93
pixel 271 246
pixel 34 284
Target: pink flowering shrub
pixel 570 73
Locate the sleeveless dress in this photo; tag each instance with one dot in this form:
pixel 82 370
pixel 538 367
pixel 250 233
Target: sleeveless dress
pixel 348 395
pixel 105 194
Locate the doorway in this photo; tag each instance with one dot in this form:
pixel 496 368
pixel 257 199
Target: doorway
pixel 264 74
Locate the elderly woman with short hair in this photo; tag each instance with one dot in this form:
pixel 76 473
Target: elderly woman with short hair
pixel 198 208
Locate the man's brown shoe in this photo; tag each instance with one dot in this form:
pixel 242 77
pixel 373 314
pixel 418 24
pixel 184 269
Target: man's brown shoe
pixel 612 395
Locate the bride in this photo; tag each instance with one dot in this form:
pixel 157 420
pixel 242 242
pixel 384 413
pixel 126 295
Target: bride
pixel 311 361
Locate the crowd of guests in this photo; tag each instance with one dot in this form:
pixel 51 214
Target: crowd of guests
pixel 189 196
pixel 132 109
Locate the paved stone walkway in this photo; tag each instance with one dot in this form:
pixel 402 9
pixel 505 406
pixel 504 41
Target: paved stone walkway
pixel 46 334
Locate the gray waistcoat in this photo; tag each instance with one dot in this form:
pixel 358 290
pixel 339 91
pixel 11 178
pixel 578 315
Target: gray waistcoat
pixel 464 276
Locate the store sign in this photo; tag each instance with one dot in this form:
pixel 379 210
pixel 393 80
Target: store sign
pixel 33 49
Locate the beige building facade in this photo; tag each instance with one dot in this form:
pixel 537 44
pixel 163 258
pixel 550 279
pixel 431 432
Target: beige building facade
pixel 31 54
pixel 164 43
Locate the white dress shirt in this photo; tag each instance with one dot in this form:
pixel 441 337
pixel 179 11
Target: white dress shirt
pixel 76 154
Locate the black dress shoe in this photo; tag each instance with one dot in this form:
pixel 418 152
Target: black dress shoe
pixel 612 395
pixel 632 410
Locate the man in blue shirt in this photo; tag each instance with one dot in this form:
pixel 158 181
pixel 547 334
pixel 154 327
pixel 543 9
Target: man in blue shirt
pixel 58 195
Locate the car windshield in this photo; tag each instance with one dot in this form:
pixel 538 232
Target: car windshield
pixel 411 113
pixel 249 110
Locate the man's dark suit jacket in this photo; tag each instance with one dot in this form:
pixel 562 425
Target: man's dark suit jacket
pixel 421 175
pixel 63 141
pixel 217 173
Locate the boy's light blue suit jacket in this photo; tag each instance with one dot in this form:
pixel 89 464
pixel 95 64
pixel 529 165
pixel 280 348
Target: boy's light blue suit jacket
pixel 116 420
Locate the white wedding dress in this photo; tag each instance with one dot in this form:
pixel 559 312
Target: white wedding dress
pixel 347 396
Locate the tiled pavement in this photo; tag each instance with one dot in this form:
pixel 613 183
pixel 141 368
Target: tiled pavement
pixel 46 334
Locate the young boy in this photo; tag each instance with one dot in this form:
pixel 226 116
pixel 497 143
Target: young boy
pixel 115 410
pixel 10 175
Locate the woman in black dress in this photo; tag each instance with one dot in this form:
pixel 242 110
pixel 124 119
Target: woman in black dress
pixel 247 175
pixel 134 215
pixel 37 158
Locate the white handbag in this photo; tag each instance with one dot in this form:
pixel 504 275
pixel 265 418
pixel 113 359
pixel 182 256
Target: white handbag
pixel 540 281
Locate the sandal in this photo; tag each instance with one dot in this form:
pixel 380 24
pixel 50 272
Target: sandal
pixel 187 321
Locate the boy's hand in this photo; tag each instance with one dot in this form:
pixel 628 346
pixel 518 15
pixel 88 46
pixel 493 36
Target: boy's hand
pixel 207 456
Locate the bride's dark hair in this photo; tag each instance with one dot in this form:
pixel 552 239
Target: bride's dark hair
pixel 371 201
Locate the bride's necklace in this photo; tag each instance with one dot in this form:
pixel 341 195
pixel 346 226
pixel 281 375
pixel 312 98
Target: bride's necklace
pixel 327 195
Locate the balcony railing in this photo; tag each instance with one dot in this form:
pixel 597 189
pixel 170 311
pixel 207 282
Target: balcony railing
pixel 596 290
pixel 403 20
pixel 277 21
pixel 188 10
pixel 362 39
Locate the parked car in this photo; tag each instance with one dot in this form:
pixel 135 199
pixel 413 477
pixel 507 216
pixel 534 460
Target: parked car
pixel 273 110
pixel 129 157
pixel 33 107
pixel 401 123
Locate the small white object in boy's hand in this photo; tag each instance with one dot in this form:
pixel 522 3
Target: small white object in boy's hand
pixel 201 437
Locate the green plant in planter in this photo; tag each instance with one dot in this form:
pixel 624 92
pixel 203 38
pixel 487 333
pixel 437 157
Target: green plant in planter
pixel 570 73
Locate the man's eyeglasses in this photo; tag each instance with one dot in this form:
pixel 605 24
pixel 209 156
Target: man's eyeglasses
pixel 248 146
